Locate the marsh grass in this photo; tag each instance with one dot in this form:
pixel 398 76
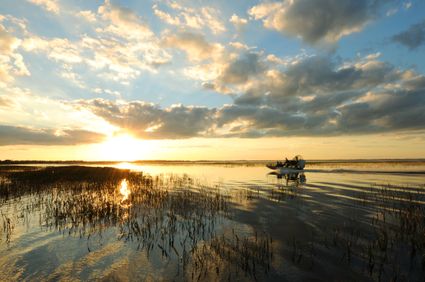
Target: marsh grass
pixel 391 247
pixel 168 215
pixel 229 255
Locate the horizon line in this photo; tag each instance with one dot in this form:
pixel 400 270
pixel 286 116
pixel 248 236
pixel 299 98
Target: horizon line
pixel 28 161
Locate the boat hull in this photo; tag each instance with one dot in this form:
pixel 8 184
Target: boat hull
pixel 287 170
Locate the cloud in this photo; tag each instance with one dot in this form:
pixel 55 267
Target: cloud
pixel 49 5
pixel 255 73
pixel 124 22
pixel 312 96
pixel 194 45
pixel 120 47
pixel 149 121
pixel 317 96
pixel 5 101
pixel 413 37
pixel 237 21
pixel 191 17
pixel 87 15
pixel 8 43
pixel 317 21
pixel 242 68
pixel 166 17
pixel 15 135
pixel 239 45
pixel 20 106
pixel 302 95
pixel 211 18
pixel 11 62
pixel 57 49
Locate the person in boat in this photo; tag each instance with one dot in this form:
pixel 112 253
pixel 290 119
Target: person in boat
pixel 291 163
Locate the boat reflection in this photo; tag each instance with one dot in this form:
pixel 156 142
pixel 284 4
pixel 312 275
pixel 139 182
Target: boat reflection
pixel 291 178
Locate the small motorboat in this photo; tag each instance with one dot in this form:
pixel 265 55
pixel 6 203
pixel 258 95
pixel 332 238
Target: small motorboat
pixel 296 164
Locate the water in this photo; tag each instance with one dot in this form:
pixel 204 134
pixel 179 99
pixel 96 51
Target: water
pixel 336 221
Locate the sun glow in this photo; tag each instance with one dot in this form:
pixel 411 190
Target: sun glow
pixel 123 148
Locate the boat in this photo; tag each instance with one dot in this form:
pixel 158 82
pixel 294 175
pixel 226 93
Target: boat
pixel 296 164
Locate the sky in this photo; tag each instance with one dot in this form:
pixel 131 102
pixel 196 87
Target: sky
pixel 218 80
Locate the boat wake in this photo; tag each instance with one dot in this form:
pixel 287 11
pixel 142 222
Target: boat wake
pixel 354 171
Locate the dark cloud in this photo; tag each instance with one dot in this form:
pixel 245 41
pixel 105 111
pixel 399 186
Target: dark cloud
pixel 398 110
pixel 241 69
pixel 319 20
pixel 321 74
pixel 385 112
pixel 322 78
pixel 319 96
pixel 413 37
pixel 14 135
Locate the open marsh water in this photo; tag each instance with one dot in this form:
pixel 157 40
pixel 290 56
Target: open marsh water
pixel 335 222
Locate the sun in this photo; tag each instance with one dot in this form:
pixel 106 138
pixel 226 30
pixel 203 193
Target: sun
pixel 122 147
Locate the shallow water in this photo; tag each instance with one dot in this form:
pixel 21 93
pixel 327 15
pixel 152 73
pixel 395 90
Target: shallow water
pixel 333 222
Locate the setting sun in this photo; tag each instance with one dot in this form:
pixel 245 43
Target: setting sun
pixel 123 148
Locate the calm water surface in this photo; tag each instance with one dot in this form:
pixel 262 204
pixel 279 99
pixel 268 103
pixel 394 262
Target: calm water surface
pixel 353 222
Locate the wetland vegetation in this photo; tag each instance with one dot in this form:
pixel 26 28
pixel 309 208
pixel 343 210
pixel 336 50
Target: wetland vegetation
pixel 76 222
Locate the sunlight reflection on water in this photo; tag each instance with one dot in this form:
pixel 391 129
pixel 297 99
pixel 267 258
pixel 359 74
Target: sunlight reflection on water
pixel 125 192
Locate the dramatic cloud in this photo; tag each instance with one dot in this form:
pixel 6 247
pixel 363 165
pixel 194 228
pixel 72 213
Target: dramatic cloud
pixel 13 135
pixel 149 121
pixel 413 37
pixel 314 96
pixel 183 48
pixel 317 21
